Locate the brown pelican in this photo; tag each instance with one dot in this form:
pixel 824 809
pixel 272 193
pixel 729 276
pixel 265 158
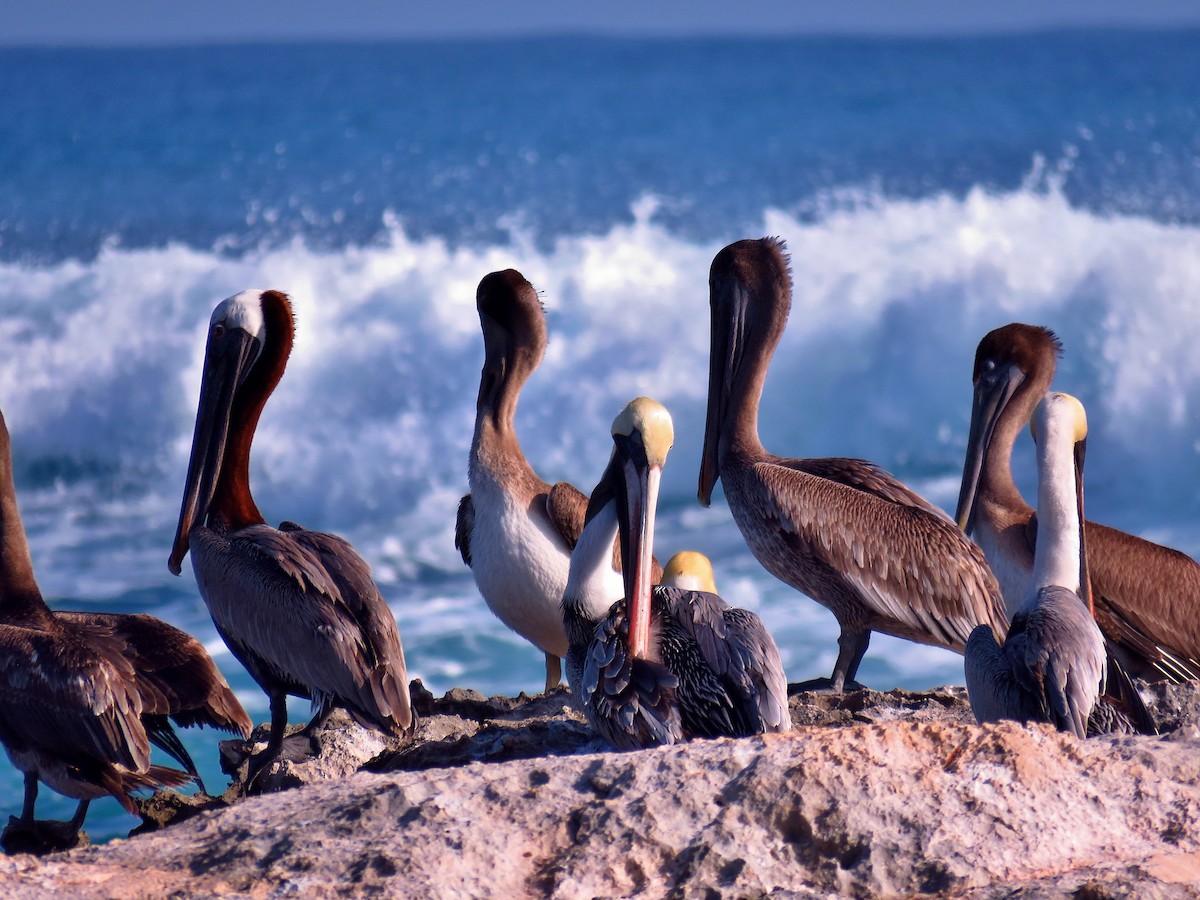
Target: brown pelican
pixel 83 695
pixel 1052 665
pixel 298 608
pixel 843 531
pixel 514 530
pixel 1147 597
pixel 663 664
pixel 690 571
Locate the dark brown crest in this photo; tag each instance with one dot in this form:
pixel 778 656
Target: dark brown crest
pixel 1028 346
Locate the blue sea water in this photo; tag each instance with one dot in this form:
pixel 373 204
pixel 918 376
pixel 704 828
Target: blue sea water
pixel 929 190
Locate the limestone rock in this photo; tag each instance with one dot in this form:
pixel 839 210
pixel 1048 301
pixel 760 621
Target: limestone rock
pixel 892 794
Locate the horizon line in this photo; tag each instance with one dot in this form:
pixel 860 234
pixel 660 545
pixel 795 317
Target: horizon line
pixel 949 33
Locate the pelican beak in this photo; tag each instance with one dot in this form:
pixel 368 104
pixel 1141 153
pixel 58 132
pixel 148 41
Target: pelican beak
pixel 1085 580
pixel 992 393
pixel 642 436
pixel 724 360
pixel 227 359
pixel 636 523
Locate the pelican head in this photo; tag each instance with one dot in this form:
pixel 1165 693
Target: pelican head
pixel 1016 361
pixel 514 329
pixel 1059 407
pixel 233 388
pixel 642 436
pixel 690 571
pixel 750 294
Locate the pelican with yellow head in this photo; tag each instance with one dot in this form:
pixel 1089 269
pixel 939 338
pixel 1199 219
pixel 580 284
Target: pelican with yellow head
pixel 665 663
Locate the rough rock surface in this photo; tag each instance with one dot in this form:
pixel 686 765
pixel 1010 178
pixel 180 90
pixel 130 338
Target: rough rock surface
pixel 871 795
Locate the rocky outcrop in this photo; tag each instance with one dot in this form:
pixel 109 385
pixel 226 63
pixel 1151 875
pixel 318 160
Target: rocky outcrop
pixel 872 795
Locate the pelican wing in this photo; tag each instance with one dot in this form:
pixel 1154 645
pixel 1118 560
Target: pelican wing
pixel 1147 597
pixel 303 604
pixel 991 685
pixel 920 576
pixel 74 698
pixel 1059 654
pixel 738 650
pixel 174 665
pixel 464 524
pixel 566 507
pixel 865 476
pixel 631 702
pixel 1120 709
pixel 1051 668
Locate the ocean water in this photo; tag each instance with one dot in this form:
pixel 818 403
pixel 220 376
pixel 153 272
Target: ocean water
pixel 929 190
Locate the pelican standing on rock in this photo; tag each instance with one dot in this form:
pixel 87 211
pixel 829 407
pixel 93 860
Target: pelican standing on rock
pixel 1052 666
pixel 843 531
pixel 514 530
pixel 1147 596
pixel 83 695
pixel 664 664
pixel 297 608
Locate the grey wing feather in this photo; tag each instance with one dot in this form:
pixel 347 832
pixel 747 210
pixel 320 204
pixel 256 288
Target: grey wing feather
pixel 388 676
pixel 305 604
pixel 630 702
pixel 738 648
pixel 991 686
pixel 464 524
pixel 919 574
pixel 1051 669
pixel 1064 643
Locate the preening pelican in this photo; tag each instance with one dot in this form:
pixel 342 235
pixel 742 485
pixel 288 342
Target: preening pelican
pixel 843 531
pixel 514 530
pixel 664 664
pixel 1052 666
pixel 298 608
pixel 83 695
pixel 1147 596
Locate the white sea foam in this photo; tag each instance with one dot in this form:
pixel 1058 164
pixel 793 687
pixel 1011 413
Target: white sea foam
pixel 369 431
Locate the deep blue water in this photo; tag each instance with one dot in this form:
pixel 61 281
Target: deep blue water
pixel 234 146
pixel 929 190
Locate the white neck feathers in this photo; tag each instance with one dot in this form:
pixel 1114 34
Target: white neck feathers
pixel 590 582
pixel 1056 559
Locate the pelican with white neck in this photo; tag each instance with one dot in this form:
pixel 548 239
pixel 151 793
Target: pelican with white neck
pixel 1052 666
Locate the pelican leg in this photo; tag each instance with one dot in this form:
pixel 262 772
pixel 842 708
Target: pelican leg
pixel 80 815
pixel 274 743
pixel 553 672
pixel 31 792
pixel 852 646
pixel 25 835
pixel 306 744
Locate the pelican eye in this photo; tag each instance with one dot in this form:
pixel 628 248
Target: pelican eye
pixel 218 329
